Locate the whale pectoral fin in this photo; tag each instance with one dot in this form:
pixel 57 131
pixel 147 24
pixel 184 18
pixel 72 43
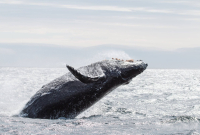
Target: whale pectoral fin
pixel 83 78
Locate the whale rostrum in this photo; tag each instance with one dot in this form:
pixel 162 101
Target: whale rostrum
pixel 77 90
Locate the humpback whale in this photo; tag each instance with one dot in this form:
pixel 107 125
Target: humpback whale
pixel 74 92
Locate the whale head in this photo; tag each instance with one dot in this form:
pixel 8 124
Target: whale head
pixel 130 70
pixel 124 71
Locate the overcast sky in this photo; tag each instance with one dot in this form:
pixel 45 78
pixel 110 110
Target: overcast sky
pixel 164 24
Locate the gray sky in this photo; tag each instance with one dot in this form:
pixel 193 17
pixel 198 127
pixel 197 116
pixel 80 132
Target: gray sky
pixel 163 24
pixel 53 33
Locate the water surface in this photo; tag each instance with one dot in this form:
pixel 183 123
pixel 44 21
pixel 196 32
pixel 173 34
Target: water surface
pixel 155 102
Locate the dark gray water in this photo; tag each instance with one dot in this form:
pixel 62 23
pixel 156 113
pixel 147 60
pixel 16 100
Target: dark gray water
pixel 155 102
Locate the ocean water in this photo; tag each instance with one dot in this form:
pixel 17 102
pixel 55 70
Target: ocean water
pixel 155 102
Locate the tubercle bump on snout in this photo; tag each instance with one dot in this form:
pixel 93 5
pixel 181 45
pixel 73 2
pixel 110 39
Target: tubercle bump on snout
pixel 131 60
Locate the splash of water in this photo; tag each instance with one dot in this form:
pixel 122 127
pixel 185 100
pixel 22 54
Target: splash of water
pixel 105 55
